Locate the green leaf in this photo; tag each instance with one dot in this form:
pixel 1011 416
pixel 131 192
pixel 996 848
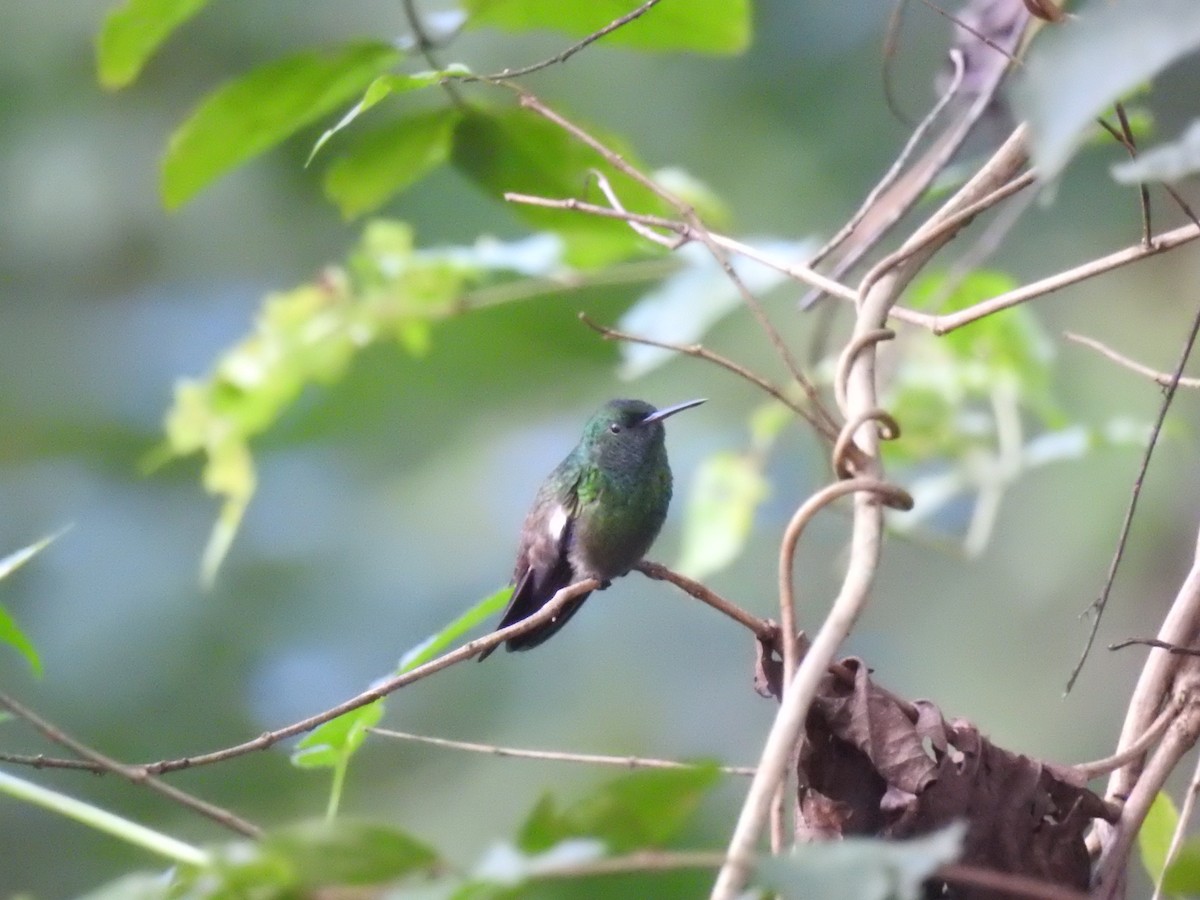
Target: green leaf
pixel 700 26
pixel 329 745
pixel 132 32
pixel 862 868
pixel 633 812
pixel 135 886
pixel 727 491
pixel 507 865
pixel 345 853
pixel 255 112
pixel 381 87
pixel 515 151
pixel 1075 73
pixel 12 635
pixel 440 640
pixel 1183 875
pixel 390 159
pixel 1154 837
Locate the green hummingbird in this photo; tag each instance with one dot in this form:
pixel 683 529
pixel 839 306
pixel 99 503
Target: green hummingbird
pixel 595 515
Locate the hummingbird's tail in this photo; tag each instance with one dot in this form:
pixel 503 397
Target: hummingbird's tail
pixel 527 599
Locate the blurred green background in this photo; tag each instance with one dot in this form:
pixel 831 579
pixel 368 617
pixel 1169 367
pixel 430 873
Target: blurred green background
pixel 391 501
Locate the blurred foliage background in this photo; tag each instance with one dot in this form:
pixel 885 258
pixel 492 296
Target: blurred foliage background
pixel 390 501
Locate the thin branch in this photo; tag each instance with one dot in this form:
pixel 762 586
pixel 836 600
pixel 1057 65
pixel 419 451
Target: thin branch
pixel 945 324
pixel 1163 378
pixel 1098 767
pixel 1127 141
pixel 621 762
pixel 1098 605
pixel 1179 739
pixel 576 47
pixel 974 32
pixel 892 174
pixel 1157 644
pixel 134 774
pixel 699 351
pixel 425 48
pixel 762 629
pixel 382 689
pixel 888 493
pixel 792 270
pixel 1181 827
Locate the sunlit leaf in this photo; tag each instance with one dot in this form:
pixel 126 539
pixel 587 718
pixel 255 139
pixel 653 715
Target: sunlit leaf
pixel 132 32
pixel 862 868
pixel 387 160
pixel 330 744
pixel 1166 162
pixel 727 491
pixel 255 112
pixel 440 640
pixel 1154 837
pixel 1183 875
pixel 11 634
pixel 632 812
pixel 1075 72
pixel 702 26
pixel 381 87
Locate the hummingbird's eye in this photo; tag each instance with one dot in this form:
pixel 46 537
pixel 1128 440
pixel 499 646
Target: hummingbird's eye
pixel 615 427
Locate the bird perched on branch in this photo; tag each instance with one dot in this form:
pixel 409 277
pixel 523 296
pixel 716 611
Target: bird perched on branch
pixel 595 515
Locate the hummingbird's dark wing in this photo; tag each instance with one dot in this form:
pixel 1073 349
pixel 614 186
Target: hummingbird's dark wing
pixel 543 569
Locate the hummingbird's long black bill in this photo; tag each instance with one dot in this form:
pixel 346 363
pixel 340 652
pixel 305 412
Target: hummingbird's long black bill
pixel 659 414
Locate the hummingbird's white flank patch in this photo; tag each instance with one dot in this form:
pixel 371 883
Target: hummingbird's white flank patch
pixel 558 521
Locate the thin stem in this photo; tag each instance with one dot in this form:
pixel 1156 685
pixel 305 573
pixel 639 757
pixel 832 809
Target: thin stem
pixel 1096 768
pixel 1163 378
pixel 762 629
pixel 591 759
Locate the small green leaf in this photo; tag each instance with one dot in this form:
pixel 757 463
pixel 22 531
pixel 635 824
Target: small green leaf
pixel 324 854
pixel 390 159
pixel 330 744
pixel 381 87
pixel 507 865
pixel 699 26
pixel 862 868
pixel 132 32
pixel 12 635
pixel 727 491
pixel 440 640
pixel 1154 837
pixel 255 112
pixel 637 810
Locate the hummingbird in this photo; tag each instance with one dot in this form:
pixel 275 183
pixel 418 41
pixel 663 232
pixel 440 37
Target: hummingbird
pixel 595 515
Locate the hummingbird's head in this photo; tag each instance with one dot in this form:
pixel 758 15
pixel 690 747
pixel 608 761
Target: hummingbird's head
pixel 627 431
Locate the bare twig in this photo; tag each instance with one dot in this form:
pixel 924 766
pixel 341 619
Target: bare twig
pixel 382 689
pixel 1163 378
pixel 890 176
pixel 1098 767
pixel 1098 605
pixel 762 629
pixel 1157 644
pixel 564 55
pixel 699 351
pixel 947 323
pixel 425 48
pixel 135 774
pixel 890 494
pixel 620 762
